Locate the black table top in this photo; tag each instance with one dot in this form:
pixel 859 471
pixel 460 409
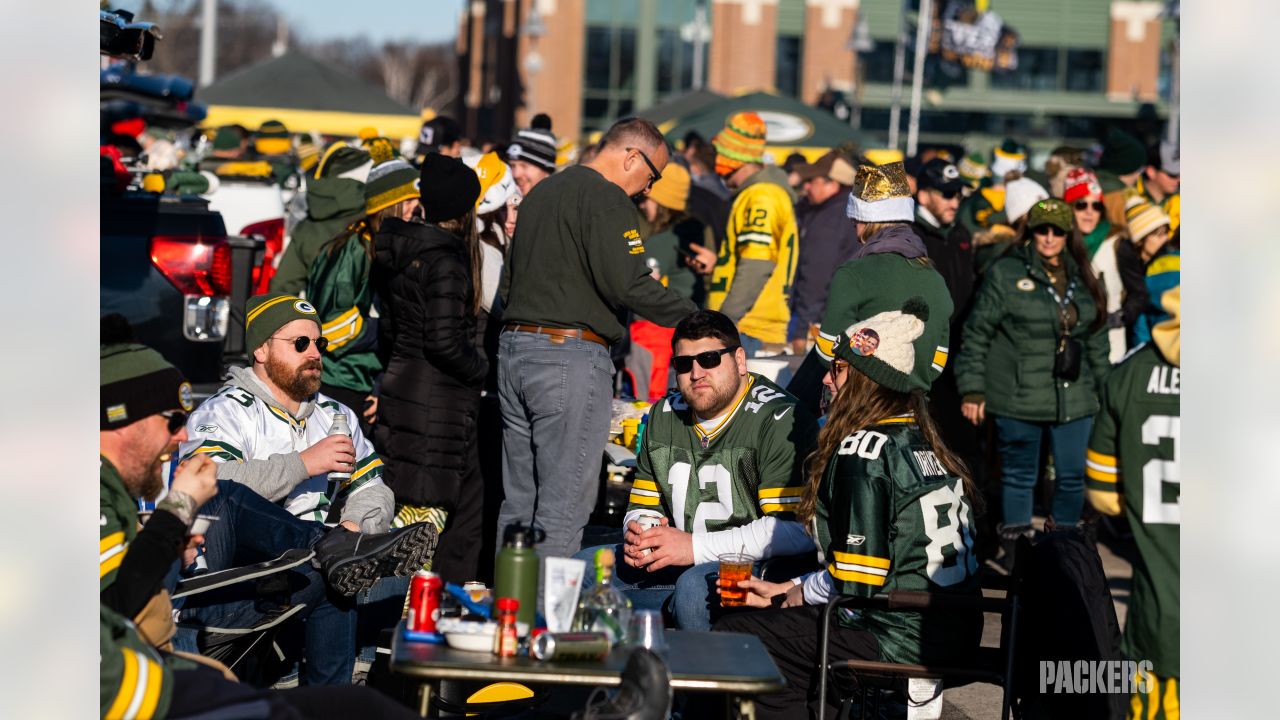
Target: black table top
pixel 711 661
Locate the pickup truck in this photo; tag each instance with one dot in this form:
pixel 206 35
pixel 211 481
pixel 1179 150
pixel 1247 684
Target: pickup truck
pixel 169 267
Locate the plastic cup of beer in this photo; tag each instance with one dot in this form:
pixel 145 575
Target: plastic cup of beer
pixel 733 568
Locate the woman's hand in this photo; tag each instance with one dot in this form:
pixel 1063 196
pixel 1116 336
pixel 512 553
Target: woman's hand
pixel 974 412
pixel 761 594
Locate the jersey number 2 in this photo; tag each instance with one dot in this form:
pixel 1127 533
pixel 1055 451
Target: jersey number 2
pixel 719 509
pixel 1156 472
pixel 949 503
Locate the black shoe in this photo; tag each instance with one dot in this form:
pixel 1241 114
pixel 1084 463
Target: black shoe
pixel 351 562
pixel 645 693
pixel 1009 536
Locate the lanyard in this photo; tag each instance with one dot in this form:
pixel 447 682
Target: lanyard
pixel 1061 302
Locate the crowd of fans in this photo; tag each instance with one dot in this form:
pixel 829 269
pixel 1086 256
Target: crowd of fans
pixel 471 313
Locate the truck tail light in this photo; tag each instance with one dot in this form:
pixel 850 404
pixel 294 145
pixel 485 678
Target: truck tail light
pixel 272 231
pixel 200 268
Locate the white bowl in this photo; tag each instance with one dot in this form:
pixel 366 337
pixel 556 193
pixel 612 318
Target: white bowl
pixel 471 635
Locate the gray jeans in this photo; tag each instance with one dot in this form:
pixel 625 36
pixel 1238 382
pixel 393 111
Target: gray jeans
pixel 556 400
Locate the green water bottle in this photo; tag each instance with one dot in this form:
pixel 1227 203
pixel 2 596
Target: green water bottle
pixel 516 574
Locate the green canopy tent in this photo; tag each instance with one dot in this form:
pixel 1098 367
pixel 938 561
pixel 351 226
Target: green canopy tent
pixel 670 112
pixel 792 125
pixel 307 96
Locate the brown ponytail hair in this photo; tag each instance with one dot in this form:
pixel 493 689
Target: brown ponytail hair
pixel 860 404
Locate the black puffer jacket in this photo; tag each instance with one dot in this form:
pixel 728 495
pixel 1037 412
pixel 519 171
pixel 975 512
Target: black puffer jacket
pixel 434 372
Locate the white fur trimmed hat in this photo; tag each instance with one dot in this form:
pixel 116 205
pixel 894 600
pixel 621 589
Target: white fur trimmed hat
pixel 881 193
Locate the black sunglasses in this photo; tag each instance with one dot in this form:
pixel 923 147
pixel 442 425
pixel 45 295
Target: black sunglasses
pixel 708 360
pixel 654 175
pixel 302 343
pixel 177 420
pixel 1085 204
pixel 1049 230
pixel 947 194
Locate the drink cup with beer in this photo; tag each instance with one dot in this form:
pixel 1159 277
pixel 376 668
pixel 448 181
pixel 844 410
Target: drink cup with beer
pixel 734 567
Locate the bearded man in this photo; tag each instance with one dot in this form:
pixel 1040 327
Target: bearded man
pixel 720 471
pixel 268 426
pixel 145 402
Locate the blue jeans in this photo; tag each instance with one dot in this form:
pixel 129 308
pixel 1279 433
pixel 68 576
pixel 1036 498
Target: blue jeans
pixel 750 345
pixel 1019 444
pixel 556 400
pixel 252 529
pixel 691 590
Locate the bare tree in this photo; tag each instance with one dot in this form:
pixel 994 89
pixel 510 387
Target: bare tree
pixel 416 75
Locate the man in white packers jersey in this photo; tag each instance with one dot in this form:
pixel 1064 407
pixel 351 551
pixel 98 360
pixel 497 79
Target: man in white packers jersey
pixel 720 469
pixel 268 426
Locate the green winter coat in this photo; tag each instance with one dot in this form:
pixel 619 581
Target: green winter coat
pixel 332 204
pixel 1011 338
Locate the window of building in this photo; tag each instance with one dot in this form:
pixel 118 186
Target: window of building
pixel 1037 70
pixel 1085 71
pixel 626 59
pixel 878 64
pixel 599 50
pixel 787 66
pixel 668 60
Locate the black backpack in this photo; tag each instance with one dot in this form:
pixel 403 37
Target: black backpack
pixel 1067 615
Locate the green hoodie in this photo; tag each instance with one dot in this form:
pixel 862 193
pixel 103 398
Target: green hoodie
pixel 332 205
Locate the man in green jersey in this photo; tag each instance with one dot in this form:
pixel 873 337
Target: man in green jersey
pixel 720 471
pixel 1132 469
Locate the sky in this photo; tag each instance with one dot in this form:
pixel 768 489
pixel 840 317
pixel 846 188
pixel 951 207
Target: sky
pixel 378 20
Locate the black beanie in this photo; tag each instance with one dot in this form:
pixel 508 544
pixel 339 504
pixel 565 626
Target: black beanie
pixel 1122 153
pixel 449 188
pixel 136 382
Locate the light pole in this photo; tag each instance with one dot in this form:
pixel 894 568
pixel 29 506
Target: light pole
pixel 208 41
pixel 923 23
pixel 860 42
pixel 698 33
pixel 899 63
pixel 533 29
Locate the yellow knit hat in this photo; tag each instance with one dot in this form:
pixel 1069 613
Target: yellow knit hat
pixel 672 189
pixel 740 142
pixel 1143 218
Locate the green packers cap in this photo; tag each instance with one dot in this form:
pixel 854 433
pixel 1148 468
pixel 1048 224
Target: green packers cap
pixel 265 314
pixel 136 383
pixel 1051 212
pixel 884 347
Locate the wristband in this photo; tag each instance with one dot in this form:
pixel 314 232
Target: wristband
pixel 181 505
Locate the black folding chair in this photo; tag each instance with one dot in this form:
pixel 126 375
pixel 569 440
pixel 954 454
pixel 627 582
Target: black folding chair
pixel 993 665
pixel 231 646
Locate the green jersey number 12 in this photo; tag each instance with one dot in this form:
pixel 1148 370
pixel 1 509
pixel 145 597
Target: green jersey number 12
pixel 719 509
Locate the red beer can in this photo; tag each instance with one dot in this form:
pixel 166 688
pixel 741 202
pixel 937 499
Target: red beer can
pixel 424 601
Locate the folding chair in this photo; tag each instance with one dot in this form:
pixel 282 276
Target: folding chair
pixel 993 665
pixel 231 646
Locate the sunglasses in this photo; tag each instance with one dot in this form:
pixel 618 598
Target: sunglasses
pixel 1050 230
pixel 177 420
pixel 947 194
pixel 654 175
pixel 302 343
pixel 838 366
pixel 1085 205
pixel 708 360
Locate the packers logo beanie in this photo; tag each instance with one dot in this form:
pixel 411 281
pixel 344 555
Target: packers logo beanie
pixel 265 314
pixel 136 383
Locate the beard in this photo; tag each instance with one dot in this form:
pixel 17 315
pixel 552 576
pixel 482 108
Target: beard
pixel 710 402
pixel 146 479
pixel 295 382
